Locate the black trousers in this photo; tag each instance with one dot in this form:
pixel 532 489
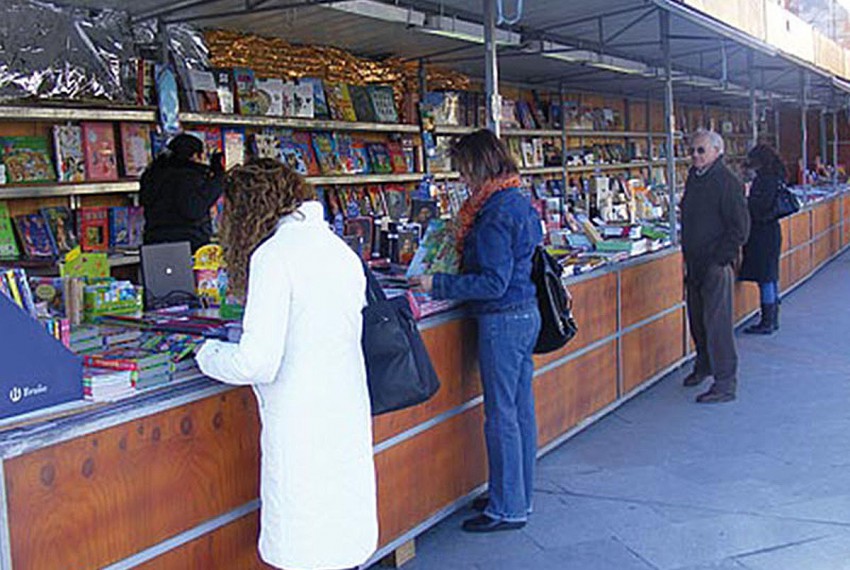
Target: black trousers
pixel 709 301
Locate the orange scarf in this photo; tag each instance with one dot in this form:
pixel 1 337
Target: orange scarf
pixel 469 211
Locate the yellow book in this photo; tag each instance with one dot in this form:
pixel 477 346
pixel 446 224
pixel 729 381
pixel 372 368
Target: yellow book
pixel 13 288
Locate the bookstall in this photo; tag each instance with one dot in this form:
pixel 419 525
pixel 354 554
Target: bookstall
pixel 116 453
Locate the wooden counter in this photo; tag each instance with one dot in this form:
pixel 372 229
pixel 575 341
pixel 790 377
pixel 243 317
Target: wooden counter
pixel 170 480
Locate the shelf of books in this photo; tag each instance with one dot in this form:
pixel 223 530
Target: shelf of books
pixel 49 113
pixel 294 123
pixel 36 190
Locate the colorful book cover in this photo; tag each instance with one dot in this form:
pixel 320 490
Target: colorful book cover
pixel 61 225
pixel 397 202
pixel 408 243
pixel 379 158
pixel 211 137
pixel 436 253
pixel 135 148
pixel 303 141
pixel 423 211
pixel 93 228
pixel 99 148
pixel 204 91
pixel 383 103
pixel 8 245
pixel 376 198
pixel 398 161
pixel 35 237
pixel 320 102
pixel 303 101
pixel 264 145
pixel 245 87
pixel 119 227
pixel 234 147
pixel 70 159
pixel 351 162
pixel 26 159
pixel 270 97
pixel 339 102
pixel 324 146
pixel 362 228
pixel 137 225
pixel 292 155
pixel 51 292
pixel 362 103
pixel 224 90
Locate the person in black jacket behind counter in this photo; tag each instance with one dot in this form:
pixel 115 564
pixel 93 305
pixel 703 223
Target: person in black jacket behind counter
pixel 715 224
pixel 177 191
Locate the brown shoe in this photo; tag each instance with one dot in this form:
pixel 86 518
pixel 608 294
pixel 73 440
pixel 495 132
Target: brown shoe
pixel 715 397
pixel 694 379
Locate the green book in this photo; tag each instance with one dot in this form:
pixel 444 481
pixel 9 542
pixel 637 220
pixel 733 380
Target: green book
pixel 8 246
pixel 27 159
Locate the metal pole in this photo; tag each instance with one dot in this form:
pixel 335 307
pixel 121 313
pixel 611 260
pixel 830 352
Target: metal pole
pixel 561 93
pixel 804 111
pixel 754 122
pixel 669 123
pixel 423 91
pixel 835 147
pixel 491 68
pixel 824 150
pixel 776 125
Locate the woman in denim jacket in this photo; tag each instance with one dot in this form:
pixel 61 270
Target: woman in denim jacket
pixel 497 232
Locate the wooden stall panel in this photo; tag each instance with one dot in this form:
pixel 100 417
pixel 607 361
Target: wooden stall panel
pixel 800 264
pixel 785 226
pixel 746 297
pixel 835 211
pixel 822 217
pixel 93 500
pixel 229 547
pixel 846 207
pixel 649 288
pixel 785 277
pixel 650 349
pixel 595 310
pixel 800 228
pixel 821 250
pixel 453 351
pixel 424 474
pixel 568 394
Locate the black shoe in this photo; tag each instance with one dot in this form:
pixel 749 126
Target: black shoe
pixel 768 323
pixel 694 379
pixel 483 523
pixel 715 397
pixel 480 503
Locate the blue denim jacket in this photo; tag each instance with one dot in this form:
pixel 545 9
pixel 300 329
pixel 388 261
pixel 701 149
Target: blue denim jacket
pixel 497 255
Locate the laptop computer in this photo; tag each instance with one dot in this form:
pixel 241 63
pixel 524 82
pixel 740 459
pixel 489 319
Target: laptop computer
pixel 167 275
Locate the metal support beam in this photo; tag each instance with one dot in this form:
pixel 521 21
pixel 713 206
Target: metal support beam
pixel 824 151
pixel 835 148
pixel 804 128
pixel 754 123
pixel 491 68
pixel 562 92
pixel 423 91
pixel 628 26
pixel 777 120
pixel 579 21
pixel 669 124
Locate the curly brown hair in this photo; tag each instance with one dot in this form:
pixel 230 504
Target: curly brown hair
pixel 257 195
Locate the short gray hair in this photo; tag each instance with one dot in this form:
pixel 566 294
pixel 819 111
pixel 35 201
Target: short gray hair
pixel 713 138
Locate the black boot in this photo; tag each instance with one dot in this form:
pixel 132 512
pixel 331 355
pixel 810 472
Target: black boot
pixel 768 317
pixel 776 316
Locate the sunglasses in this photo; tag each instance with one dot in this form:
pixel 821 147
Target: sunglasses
pixel 698 150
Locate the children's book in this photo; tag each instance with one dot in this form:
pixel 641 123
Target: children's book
pixel 436 253
pixel 383 103
pixel 360 156
pixel 297 151
pixel 135 148
pixel 379 158
pixel 234 147
pixel 398 161
pixel 270 97
pixel 51 292
pixel 211 137
pixel 93 228
pixel 352 154
pixel 70 160
pixel 61 225
pixel 408 243
pixel 376 198
pixel 320 103
pixel 339 102
pixel 362 103
pixel 303 100
pixel 8 246
pixel 265 145
pixel 423 211
pixel 35 237
pixel 99 148
pixel 245 87
pixel 137 225
pixel 26 159
pixel 324 146
pixel 119 227
pixel 204 91
pixel 397 202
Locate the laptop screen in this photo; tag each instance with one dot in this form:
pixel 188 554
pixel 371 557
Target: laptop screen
pixel 167 274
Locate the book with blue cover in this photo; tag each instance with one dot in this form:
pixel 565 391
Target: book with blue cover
pixel 35 237
pixel 61 224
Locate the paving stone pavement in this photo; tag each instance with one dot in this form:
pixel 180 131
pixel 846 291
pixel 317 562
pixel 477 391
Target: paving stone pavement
pixel 663 483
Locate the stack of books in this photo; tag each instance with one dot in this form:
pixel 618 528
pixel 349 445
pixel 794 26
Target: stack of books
pixel 146 368
pixel 103 385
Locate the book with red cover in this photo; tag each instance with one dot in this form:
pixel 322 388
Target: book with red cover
pixel 93 228
pixel 397 158
pixel 99 148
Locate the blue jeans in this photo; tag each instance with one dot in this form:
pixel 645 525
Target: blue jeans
pixel 505 344
pixel 769 291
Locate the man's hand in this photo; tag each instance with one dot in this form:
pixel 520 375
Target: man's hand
pixel 424 283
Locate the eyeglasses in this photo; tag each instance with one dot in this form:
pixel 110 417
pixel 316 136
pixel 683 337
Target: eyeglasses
pixel 698 150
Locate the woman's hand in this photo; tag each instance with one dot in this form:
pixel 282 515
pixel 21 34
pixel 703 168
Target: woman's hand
pixel 424 283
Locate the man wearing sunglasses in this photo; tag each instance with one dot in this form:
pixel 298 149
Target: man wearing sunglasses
pixel 715 225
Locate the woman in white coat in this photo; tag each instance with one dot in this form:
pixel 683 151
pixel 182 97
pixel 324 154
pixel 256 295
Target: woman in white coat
pixel 300 350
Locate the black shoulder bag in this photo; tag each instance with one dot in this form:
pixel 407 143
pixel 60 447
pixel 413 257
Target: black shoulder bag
pixel 558 326
pixel 398 369
pixel 786 202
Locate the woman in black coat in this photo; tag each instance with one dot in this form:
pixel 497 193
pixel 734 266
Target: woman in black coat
pixel 177 191
pixel 761 252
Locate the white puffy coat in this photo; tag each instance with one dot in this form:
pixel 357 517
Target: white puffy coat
pixel 301 351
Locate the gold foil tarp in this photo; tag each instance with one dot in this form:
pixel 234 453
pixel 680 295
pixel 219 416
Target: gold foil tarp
pixel 275 57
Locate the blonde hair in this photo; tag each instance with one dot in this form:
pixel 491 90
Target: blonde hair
pixel 257 196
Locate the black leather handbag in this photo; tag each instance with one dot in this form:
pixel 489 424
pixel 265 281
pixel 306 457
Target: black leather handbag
pixel 786 203
pixel 557 325
pixel 398 368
